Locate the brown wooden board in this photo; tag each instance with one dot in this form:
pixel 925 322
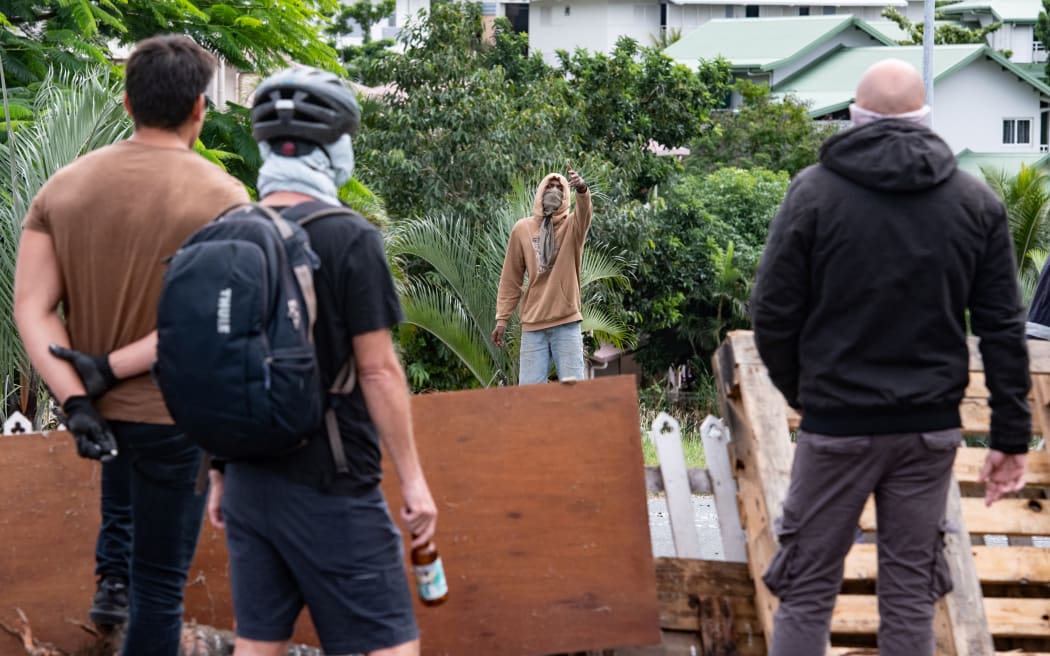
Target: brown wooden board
pixel 686 586
pixel 49 518
pixel 543 526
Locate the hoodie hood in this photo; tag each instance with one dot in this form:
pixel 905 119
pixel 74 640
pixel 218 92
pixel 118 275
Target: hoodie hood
pixel 889 155
pixel 537 203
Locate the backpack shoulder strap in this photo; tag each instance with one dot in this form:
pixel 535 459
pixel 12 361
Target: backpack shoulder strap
pixel 320 214
pixel 345 382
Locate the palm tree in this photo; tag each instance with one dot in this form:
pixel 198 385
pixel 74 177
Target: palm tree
pixel 1027 199
pixel 74 113
pixel 456 299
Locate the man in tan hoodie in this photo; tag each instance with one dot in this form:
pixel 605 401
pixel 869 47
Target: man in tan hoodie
pixel 548 246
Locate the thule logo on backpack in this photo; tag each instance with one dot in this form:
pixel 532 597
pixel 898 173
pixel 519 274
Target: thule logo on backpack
pixel 225 302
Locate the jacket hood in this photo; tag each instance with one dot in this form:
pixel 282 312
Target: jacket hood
pixel 537 202
pixel 889 155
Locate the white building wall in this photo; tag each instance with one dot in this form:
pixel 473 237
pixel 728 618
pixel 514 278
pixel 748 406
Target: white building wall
pixel 978 126
pixel 594 25
pixel 408 9
pixel 688 17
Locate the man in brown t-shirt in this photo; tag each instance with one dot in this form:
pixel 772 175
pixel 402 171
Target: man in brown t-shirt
pixel 549 247
pixel 94 244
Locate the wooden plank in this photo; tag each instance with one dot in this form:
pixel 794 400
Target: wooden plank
pixel 967 631
pixel 49 520
pixel 667 436
pixel 1041 404
pixel 1007 617
pixel 716 438
pixel 1007 517
pixel 754 411
pixel 1014 566
pixel 685 587
pixel 543 526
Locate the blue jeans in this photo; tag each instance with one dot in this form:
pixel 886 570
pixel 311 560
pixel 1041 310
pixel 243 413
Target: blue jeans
pixel 561 344
pixel 151 519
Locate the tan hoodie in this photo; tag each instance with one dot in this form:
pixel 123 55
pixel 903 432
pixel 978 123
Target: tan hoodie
pixel 552 297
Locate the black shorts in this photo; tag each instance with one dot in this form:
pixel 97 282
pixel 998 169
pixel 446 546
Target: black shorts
pixel 341 556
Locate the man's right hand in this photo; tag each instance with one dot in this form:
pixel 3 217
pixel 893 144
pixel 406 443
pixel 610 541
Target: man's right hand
pixel 94 370
pixel 215 515
pixel 497 335
pixel 1002 474
pixel 419 513
pixel 90 431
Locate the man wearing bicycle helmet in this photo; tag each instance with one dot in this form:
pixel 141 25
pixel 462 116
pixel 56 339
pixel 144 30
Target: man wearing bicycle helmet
pixel 299 531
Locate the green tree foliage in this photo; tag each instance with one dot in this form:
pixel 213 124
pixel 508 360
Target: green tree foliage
pixel 1027 199
pixel 36 35
pixel 944 34
pixel 699 245
pixel 360 60
pixel 456 131
pixel 230 132
pixel 76 113
pixel 637 95
pixel 764 133
pixel 1042 30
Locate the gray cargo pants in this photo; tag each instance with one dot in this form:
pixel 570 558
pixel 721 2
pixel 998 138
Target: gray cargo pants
pixel 831 478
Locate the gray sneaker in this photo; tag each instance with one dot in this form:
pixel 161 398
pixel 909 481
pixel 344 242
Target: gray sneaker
pixel 110 605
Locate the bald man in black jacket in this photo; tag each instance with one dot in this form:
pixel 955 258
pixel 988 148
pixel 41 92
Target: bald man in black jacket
pixel 859 310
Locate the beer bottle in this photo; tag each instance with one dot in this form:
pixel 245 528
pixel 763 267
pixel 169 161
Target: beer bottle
pixel 430 575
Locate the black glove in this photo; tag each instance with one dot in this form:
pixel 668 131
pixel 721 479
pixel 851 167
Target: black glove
pixel 94 370
pixel 92 434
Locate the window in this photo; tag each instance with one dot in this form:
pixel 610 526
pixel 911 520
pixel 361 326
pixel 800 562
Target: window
pixel 751 11
pixel 829 11
pixel 730 13
pixel 803 11
pixel 1017 130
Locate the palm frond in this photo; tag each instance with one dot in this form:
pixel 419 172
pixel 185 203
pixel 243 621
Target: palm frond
pixel 605 328
pixel 442 315
pixel 74 113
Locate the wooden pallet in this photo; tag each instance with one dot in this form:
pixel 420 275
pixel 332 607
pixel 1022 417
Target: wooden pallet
pixel 1001 601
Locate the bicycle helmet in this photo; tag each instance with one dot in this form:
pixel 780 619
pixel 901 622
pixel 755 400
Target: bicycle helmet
pixel 304 104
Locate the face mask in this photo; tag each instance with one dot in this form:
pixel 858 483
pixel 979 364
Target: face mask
pixel 551 200
pixel 861 116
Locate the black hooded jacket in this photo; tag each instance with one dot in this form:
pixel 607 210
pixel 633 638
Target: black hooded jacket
pixel 859 308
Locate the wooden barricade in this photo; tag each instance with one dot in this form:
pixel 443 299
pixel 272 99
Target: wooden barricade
pixel 1001 601
pixel 543 527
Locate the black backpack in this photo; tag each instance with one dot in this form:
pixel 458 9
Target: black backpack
pixel 236 362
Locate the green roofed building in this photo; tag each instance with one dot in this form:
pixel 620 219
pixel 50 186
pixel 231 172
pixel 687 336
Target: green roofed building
pixel 1018 17
pixel 1009 163
pixel 772 49
pixel 982 101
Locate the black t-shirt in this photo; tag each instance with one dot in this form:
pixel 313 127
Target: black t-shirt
pixel 355 295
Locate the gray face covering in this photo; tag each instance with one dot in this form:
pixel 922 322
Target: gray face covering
pixel 548 247
pixel 318 174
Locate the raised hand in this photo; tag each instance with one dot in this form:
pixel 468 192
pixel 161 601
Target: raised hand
pixel 575 181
